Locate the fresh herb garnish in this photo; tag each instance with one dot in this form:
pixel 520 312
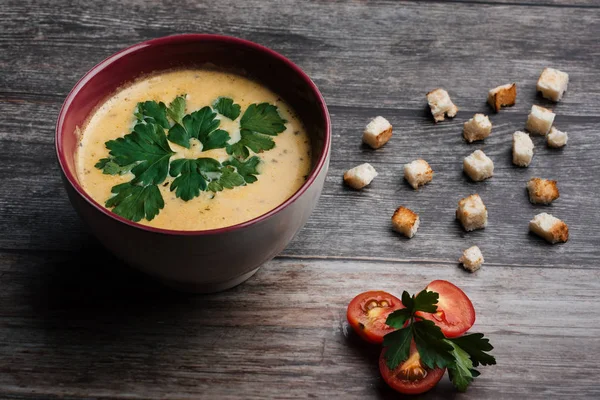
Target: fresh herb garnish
pixel 136 202
pixel 225 106
pixel 146 153
pixel 459 355
pixel 258 123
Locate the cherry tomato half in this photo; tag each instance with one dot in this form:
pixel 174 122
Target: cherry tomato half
pixel 368 312
pixel 455 314
pixel 410 376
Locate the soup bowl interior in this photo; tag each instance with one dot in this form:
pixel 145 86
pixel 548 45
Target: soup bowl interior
pixel 209 260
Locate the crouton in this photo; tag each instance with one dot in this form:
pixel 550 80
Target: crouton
pixel 478 166
pixel 472 213
pixel 477 128
pixel 522 149
pixel 502 96
pixel 360 176
pixel 405 222
pixel 550 228
pixel 556 138
pixel 418 173
pixel 441 105
pixel 377 132
pixel 539 120
pixel 542 191
pixel 471 259
pixel 553 83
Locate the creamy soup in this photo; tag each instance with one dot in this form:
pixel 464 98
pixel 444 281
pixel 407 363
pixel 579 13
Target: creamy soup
pixel 280 172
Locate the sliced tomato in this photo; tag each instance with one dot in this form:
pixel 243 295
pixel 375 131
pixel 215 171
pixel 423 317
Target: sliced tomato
pixel 368 312
pixel 410 376
pixel 455 314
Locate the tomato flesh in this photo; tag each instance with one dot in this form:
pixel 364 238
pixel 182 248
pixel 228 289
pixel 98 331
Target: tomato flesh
pixel 410 376
pixel 368 312
pixel 455 314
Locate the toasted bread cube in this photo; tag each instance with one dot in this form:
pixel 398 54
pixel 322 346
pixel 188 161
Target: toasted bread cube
pixel 556 138
pixel 522 149
pixel 550 228
pixel 472 259
pixel 553 83
pixel 539 120
pixel 542 191
pixel 502 96
pixel 478 166
pixel 472 213
pixel 418 173
pixel 477 128
pixel 360 176
pixel 377 132
pixel 441 105
pixel 405 222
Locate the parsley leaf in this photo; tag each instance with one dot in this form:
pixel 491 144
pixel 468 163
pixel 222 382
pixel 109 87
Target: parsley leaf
pixel 202 125
pixel 398 318
pixel 460 355
pixel 398 346
pixel 263 118
pixel 247 169
pixel 176 109
pixel 110 167
pixel 434 351
pixel 136 202
pixel 153 112
pixel 148 147
pixel 250 140
pixel 228 180
pixel 461 371
pixel 426 301
pixel 476 346
pixel 225 106
pixel 191 176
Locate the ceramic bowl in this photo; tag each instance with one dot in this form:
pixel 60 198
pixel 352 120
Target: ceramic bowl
pixel 209 260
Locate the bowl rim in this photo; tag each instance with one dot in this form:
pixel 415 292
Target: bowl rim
pixel 190 37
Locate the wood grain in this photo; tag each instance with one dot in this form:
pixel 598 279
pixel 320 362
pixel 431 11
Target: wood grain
pixel 75 323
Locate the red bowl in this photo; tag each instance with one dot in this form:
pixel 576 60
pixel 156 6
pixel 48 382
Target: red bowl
pixel 209 260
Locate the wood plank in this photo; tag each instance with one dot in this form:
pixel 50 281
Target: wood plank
pixel 100 330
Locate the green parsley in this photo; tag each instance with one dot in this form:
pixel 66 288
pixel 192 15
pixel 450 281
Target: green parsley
pixel 258 123
pixel 460 355
pixel 147 155
pixel 225 106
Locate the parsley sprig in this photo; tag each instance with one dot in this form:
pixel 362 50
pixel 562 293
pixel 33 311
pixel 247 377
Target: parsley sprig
pixel 147 154
pixel 460 355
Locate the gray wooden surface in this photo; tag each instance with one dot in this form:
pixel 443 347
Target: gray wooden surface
pixel 75 323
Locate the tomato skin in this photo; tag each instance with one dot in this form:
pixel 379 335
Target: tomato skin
pixel 404 386
pixel 456 314
pixel 370 324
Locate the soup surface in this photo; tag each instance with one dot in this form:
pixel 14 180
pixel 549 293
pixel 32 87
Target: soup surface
pixel 281 170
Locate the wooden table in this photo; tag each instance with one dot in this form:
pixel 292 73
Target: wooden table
pixel 76 323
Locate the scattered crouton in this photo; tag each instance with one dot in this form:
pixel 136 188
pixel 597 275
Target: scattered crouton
pixel 522 149
pixel 540 120
pixel 471 259
pixel 405 222
pixel 378 132
pixel 556 138
pixel 472 213
pixel 542 191
pixel 477 128
pixel 360 176
pixel 478 166
pixel 550 228
pixel 553 83
pixel 441 105
pixel 502 96
pixel 418 173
